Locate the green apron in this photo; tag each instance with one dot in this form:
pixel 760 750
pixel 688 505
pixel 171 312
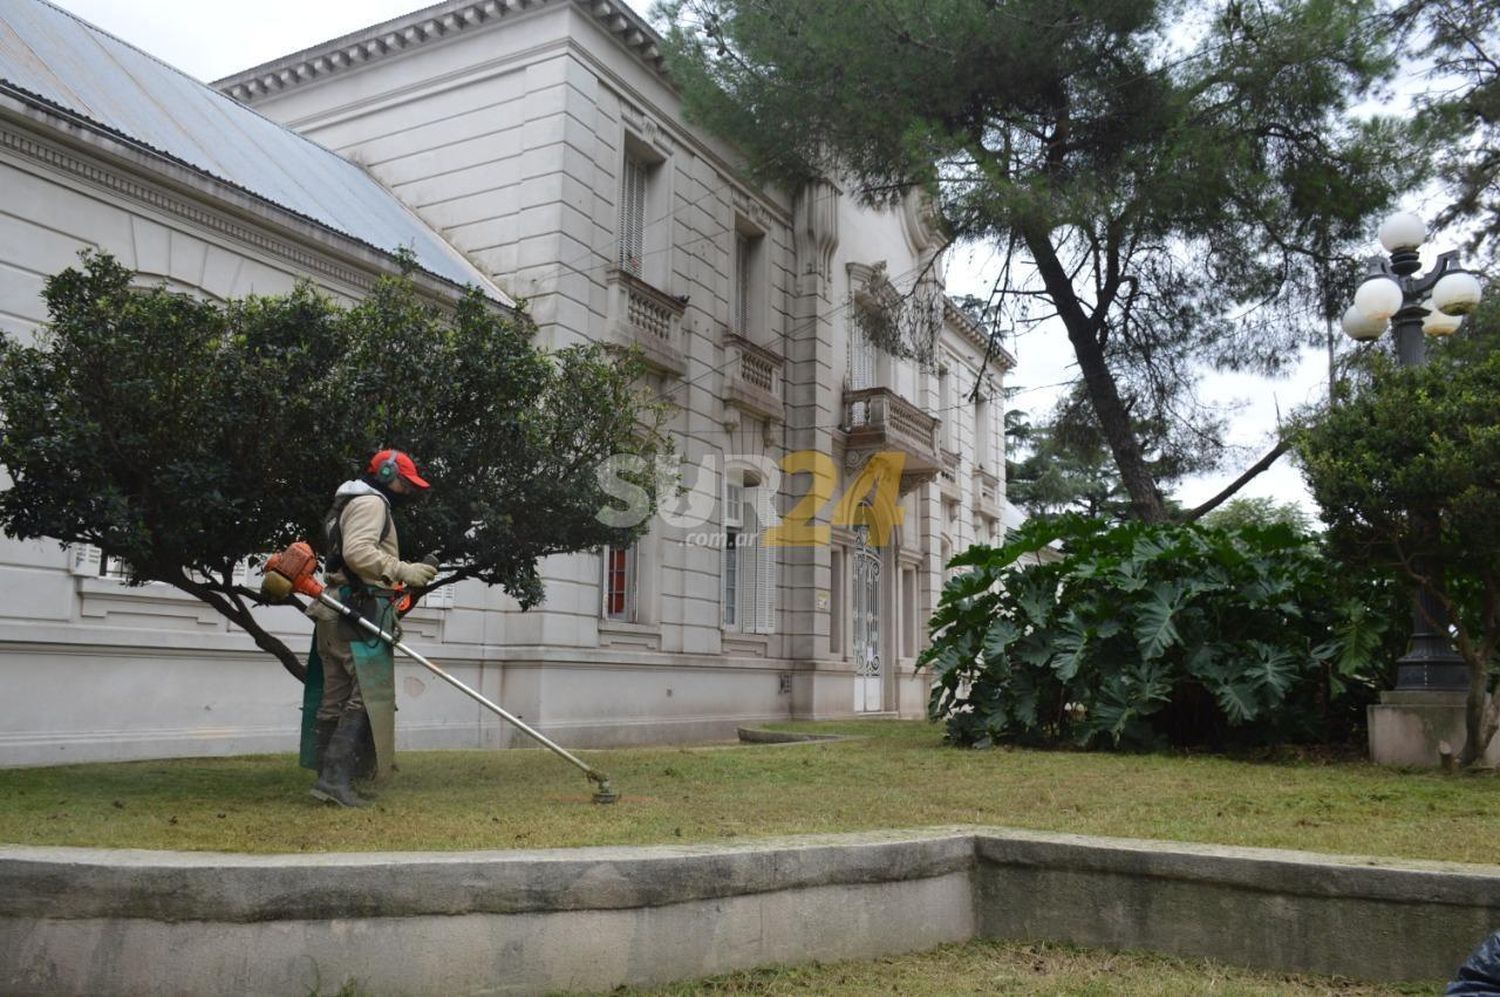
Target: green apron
pixel 375 669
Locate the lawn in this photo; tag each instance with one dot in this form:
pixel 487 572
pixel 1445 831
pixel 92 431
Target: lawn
pixel 898 774
pixel 987 967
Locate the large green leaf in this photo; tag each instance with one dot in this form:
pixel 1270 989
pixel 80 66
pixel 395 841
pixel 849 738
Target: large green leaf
pixel 1154 630
pixel 998 637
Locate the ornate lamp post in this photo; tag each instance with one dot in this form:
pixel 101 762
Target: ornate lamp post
pixel 1433 305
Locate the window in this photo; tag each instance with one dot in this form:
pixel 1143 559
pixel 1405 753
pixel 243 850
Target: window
pixel 909 613
pixel 747 295
pixel 983 441
pixel 90 560
pixel 619 583
pixel 945 407
pixel 836 601
pixel 632 228
pixel 734 523
pixel 861 359
pixel 748 564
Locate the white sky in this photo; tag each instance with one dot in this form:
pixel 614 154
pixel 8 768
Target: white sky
pixel 210 40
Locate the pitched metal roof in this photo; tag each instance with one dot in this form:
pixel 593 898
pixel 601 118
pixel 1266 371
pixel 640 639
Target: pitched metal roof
pixel 49 53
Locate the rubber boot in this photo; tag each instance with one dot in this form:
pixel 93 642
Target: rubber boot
pixel 322 734
pixel 363 779
pixel 338 762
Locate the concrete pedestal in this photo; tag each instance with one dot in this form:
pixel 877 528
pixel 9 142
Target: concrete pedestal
pixel 1406 728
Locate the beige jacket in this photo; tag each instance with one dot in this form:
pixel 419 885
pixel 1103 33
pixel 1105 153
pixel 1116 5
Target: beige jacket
pixel 369 556
pixel 373 559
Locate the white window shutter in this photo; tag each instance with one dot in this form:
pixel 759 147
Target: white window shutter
pixel 861 361
pixel 765 586
pixel 84 559
pixel 742 250
pixel 731 573
pixel 632 215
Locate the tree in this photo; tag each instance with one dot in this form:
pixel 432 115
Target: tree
pixel 1175 187
pixel 183 436
pixel 1244 513
pixel 1067 466
pixel 1462 40
pixel 1407 475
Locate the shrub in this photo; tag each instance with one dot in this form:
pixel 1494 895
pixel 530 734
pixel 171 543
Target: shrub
pixel 1144 635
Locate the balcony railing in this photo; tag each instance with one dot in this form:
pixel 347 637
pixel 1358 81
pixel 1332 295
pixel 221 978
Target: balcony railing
pixel 880 419
pixel 948 473
pixel 753 378
pixel 650 318
pixel 986 492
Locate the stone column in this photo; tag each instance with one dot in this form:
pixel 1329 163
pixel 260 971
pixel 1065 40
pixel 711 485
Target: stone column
pixel 812 388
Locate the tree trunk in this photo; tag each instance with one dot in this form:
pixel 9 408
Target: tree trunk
pixel 1480 722
pixel 1145 498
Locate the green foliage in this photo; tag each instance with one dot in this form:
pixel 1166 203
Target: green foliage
pixel 183 436
pixel 1144 635
pixel 1180 185
pixel 1461 109
pixel 1241 513
pixel 1406 472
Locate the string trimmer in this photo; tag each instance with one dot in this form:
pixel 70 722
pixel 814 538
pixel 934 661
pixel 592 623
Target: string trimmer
pixel 292 571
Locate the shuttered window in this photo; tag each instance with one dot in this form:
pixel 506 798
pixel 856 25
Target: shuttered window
pixel 632 227
pixel 861 361
pixel 748 563
pixel 744 261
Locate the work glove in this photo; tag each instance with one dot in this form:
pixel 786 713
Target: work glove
pixel 415 573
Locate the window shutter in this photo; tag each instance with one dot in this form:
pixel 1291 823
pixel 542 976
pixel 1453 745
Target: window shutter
pixel 85 559
pixel 765 586
pixel 861 361
pixel 731 578
pixel 742 249
pixel 632 215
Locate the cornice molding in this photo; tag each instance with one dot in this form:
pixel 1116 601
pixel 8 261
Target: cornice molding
pixel 975 334
pixel 432 24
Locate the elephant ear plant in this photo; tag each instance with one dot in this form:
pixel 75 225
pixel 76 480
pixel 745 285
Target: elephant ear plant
pixel 1143 635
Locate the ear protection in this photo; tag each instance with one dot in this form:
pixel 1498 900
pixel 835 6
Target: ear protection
pixel 387 470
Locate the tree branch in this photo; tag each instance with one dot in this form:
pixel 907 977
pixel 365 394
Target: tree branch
pixel 1251 472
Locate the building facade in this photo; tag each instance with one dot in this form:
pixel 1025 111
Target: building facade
pixel 537 148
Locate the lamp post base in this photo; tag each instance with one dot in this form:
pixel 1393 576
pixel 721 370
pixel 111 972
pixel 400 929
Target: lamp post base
pixel 1409 728
pixel 1435 676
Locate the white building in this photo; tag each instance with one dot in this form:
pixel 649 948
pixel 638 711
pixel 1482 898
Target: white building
pixel 534 148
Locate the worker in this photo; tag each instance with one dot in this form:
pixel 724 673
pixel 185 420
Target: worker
pixel 349 704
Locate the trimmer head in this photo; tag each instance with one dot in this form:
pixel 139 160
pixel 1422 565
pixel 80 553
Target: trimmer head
pixel 605 793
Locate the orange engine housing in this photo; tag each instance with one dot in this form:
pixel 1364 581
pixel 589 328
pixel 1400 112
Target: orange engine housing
pixel 297 564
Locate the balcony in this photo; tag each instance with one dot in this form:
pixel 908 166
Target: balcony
pixel 948 475
pixel 752 379
pixel 878 419
pixel 986 492
pixel 648 318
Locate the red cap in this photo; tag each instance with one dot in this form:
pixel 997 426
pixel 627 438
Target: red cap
pixel 402 464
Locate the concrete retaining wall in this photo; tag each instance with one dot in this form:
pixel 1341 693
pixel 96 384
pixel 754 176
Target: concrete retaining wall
pixel 76 921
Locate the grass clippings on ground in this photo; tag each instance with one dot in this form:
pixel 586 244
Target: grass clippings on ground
pixel 1017 968
pixel 897 775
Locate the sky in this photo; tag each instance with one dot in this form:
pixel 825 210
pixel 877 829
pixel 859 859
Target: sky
pixel 213 40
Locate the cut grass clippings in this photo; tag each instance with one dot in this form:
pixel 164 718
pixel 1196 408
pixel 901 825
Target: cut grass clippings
pixel 987 967
pixel 897 775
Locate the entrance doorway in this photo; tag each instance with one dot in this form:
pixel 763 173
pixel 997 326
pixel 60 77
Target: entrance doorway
pixel 869 675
